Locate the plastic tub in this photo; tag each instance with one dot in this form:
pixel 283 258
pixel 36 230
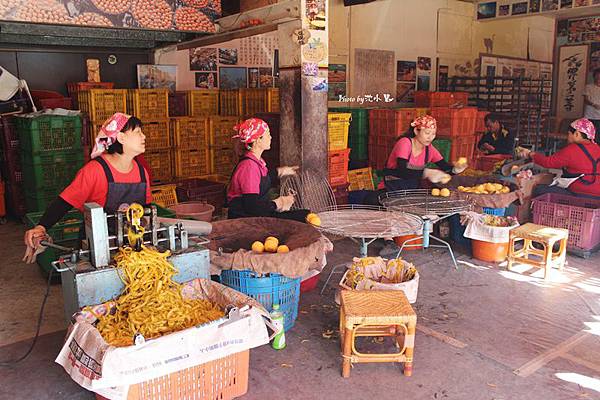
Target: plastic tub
pixel 194 210
pixel 490 252
pixel 401 239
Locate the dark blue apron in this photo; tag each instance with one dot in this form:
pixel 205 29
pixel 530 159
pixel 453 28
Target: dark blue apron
pixel 595 163
pixel 123 193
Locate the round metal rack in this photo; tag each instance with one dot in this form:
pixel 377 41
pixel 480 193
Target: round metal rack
pixel 430 209
pixel 365 224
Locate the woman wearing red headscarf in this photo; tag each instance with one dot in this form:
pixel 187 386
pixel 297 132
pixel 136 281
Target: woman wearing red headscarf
pixel 112 178
pixel 579 160
pixel 251 181
pixel 406 165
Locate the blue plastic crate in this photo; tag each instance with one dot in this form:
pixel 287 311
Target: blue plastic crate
pixel 267 290
pixel 494 211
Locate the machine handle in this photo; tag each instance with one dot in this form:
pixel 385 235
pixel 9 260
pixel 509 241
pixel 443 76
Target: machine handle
pixel 56 263
pixel 46 243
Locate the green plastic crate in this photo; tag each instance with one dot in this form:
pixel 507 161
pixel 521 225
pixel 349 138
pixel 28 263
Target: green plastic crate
pixel 49 133
pixel 163 212
pixel 39 202
pixel 443 146
pixel 358 133
pixel 58 157
pixel 49 177
pixel 66 229
pixel 377 177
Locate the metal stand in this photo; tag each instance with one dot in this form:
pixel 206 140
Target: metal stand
pixel 426 237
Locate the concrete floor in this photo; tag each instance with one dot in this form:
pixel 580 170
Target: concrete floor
pixel 483 333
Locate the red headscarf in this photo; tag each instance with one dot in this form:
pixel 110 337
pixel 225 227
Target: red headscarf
pixel 108 133
pixel 251 129
pixel 424 122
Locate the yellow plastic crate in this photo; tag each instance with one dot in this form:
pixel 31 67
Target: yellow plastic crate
pixel 148 104
pixel 254 101
pixel 222 161
pixel 202 102
pixel 273 100
pixel 422 111
pixel 164 195
pixel 230 103
pixel 191 163
pixel 361 179
pixel 161 164
pixel 158 134
pixel 101 104
pixel 190 133
pixel 337 127
pixel 221 130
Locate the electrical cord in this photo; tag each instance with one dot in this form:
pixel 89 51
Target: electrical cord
pixel 37 331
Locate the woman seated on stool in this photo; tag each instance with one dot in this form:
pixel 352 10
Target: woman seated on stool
pixel 406 165
pixel 580 157
pixel 251 181
pixel 497 139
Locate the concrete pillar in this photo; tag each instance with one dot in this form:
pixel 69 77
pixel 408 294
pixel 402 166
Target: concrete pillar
pixel 303 61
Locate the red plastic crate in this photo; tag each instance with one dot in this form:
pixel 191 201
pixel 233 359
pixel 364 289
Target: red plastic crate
pixel 389 122
pixel 432 99
pixel 177 104
pixel 15 200
pixel 340 192
pixel 461 146
pixel 480 122
pixel 10 139
pixel 459 99
pixel 12 171
pixel 338 167
pixel 379 150
pixel 74 87
pixel 205 190
pixel 455 121
pixel 488 162
pixel 579 215
pixel 60 102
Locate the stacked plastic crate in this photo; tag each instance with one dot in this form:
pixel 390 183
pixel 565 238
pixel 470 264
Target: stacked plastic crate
pixel 223 152
pixel 51 155
pixel 455 121
pixel 10 168
pixel 358 135
pixel 338 125
pixel 190 136
pixel 385 127
pixel 152 107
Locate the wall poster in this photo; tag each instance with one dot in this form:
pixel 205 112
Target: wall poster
pixel 572 68
pixel 157 76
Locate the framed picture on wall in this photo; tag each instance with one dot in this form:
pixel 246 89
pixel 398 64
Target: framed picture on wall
pixel 534 6
pixel 206 80
pixel 232 78
pixel 519 8
pixel 203 59
pixel 253 77
pixel 549 5
pixel 265 77
pixel 157 76
pixel 486 10
pixel 228 56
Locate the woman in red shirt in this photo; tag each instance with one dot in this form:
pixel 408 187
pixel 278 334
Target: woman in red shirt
pixel 580 157
pixel 112 178
pixel 251 181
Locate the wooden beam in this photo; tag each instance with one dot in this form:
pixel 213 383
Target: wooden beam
pixel 225 37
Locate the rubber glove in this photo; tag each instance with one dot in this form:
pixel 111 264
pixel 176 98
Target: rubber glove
pixel 33 238
pixel 287 171
pixel 284 203
pixel 436 176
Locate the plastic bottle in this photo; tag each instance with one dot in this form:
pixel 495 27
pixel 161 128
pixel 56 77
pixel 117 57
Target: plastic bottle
pixel 277 318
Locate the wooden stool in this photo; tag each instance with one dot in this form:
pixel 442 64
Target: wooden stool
pixel 543 235
pixel 376 313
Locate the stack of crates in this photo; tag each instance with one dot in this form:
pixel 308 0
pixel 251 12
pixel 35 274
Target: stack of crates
pixel 222 152
pixel 254 101
pixel 338 125
pixel 190 136
pixel 272 156
pixel 51 155
pixel 99 105
pixel 75 87
pixel 152 107
pixel 10 168
pixel 358 135
pixel 385 127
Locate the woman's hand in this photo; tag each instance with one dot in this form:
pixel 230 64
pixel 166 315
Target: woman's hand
pixel 32 239
pixel 460 165
pixel 522 152
pixel 284 203
pixel 436 176
pixel 287 171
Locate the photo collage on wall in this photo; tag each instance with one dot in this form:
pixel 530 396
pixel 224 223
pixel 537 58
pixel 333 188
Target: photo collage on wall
pixel 406 81
pixel 337 81
pixel 249 65
pixel 504 8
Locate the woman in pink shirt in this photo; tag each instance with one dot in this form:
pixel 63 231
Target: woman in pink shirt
pixel 251 181
pixel 405 167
